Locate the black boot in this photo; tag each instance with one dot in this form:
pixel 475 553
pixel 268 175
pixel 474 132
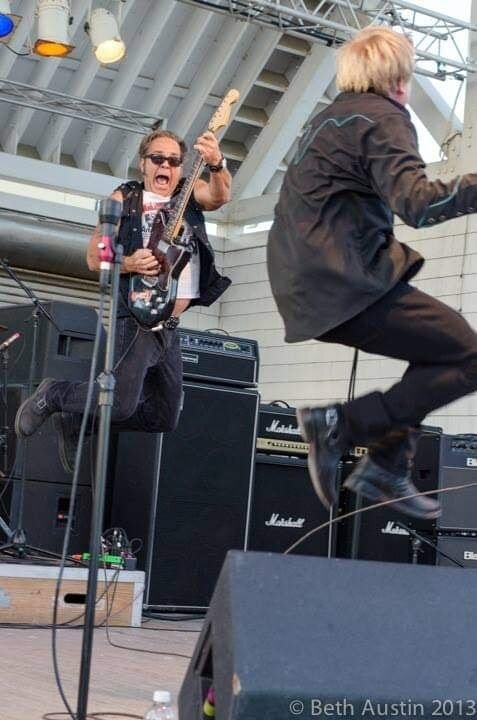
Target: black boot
pixel 323 429
pixel 33 412
pixel 379 485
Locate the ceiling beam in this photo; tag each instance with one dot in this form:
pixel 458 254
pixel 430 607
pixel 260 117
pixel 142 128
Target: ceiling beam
pixel 19 119
pixel 247 211
pixel 151 29
pixel 288 118
pixel 167 76
pixel 436 114
pixel 228 37
pixel 56 177
pixel 261 47
pixel 49 145
pixel 334 21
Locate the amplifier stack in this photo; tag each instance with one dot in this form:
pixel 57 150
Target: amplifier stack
pixel 284 505
pixel 189 497
pixel 457 525
pixel 64 349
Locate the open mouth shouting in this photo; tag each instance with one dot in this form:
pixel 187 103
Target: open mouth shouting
pixel 162 182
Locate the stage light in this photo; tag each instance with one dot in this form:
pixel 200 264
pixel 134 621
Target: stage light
pixel 104 34
pixel 6 21
pixel 53 28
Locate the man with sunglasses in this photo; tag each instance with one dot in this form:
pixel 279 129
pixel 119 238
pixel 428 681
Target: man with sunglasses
pixel 148 365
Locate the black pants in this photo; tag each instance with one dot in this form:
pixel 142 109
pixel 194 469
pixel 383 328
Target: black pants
pixel 441 349
pixel 148 373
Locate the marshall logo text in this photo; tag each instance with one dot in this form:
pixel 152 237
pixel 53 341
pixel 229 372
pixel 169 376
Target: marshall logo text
pixel 277 427
pixel 277 521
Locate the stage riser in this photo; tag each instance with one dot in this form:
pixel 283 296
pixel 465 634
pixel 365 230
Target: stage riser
pixel 27 595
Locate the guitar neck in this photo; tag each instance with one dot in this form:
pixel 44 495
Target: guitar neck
pixel 174 223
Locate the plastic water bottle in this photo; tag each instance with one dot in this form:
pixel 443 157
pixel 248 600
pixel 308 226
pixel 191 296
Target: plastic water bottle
pixel 161 707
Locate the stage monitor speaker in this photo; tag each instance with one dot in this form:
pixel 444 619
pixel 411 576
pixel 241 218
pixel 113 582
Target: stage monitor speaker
pixel 63 353
pixel 285 507
pixel 42 460
pixel 379 534
pixel 46 507
pixel 458 466
pixel 310 637
pixel 186 494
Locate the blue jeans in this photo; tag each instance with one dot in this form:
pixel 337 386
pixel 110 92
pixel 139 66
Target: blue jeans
pixel 148 374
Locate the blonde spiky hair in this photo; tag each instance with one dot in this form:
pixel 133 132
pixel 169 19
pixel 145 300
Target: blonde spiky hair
pixel 377 58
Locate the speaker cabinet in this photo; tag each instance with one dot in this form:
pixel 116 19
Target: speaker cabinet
pixel 288 635
pixel 186 494
pixel 285 507
pixel 46 507
pixel 63 352
pixel 41 449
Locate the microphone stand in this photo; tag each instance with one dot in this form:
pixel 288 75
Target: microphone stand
pixel 17 537
pixel 4 434
pixel 111 256
pixel 417 541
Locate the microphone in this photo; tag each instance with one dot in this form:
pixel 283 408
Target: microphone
pixel 6 343
pixel 109 215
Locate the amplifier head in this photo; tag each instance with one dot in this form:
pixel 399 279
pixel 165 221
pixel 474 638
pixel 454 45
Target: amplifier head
pixel 218 358
pixel 278 431
pixel 458 466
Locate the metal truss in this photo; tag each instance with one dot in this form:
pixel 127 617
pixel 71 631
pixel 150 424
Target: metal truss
pixel 333 21
pixel 76 107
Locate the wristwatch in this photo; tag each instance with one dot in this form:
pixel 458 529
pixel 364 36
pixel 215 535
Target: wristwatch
pixel 220 166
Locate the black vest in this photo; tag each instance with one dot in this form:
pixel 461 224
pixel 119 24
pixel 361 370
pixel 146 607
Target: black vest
pixel 211 284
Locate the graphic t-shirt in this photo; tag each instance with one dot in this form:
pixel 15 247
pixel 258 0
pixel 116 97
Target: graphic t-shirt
pixel 188 284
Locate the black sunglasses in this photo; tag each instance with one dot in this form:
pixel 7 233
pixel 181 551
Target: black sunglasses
pixel 159 159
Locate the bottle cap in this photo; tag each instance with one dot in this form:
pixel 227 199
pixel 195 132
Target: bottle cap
pixel 162 696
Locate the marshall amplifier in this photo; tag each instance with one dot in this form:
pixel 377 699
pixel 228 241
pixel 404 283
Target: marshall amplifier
pixel 458 466
pixel 278 431
pixel 218 358
pixel 285 507
pixel 186 493
pixel 384 533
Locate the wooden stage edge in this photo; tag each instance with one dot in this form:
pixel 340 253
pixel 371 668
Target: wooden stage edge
pixel 27 595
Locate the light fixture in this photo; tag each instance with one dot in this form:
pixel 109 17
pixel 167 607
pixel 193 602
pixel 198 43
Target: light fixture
pixel 103 31
pixel 53 28
pixel 6 21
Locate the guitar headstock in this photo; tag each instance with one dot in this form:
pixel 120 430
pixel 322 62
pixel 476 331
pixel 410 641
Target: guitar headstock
pixel 221 117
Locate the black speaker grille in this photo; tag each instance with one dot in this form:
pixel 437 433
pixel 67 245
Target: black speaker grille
pixel 186 494
pixel 285 507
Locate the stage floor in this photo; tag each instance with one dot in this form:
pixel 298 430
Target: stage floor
pixel 121 680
